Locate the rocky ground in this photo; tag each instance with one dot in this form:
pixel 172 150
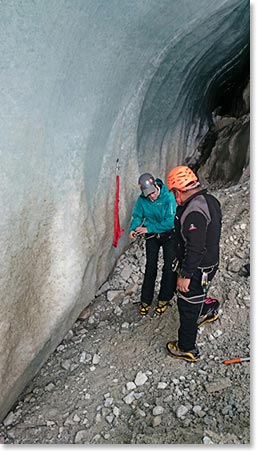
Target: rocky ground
pixel 111 381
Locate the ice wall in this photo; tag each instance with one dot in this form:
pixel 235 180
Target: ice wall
pixel 84 82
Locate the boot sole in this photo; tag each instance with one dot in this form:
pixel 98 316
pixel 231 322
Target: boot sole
pixel 160 310
pixel 187 358
pixel 208 320
pixel 144 311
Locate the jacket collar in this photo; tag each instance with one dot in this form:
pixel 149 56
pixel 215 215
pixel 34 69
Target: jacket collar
pixel 199 193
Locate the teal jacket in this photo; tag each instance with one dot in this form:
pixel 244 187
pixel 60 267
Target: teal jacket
pixel 157 216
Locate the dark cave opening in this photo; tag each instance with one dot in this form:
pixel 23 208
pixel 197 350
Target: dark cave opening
pixel 225 101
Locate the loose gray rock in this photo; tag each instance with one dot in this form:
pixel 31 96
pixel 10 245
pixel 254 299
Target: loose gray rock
pixel 9 419
pixel 141 378
pixel 218 385
pixel 81 437
pixel 129 398
pixel 162 385
pixel 181 411
pixel 158 410
pixel 96 359
pixel 157 421
pixel 207 441
pixel 50 387
pixel 114 295
pixel 66 364
pixel 130 385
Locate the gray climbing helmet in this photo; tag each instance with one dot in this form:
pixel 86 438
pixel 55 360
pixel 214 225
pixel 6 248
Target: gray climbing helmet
pixel 146 183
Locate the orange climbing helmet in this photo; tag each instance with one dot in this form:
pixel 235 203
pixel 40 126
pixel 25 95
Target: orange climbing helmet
pixel 182 178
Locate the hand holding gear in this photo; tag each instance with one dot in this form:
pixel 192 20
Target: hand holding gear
pixel 132 235
pixel 141 230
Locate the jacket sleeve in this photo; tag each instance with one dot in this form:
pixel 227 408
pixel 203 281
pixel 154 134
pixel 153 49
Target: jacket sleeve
pixel 194 233
pixel 137 216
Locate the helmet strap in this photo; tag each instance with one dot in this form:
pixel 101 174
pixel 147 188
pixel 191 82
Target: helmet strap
pixel 177 193
pixel 195 185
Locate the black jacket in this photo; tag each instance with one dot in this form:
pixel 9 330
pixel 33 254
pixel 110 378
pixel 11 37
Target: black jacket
pixel 198 228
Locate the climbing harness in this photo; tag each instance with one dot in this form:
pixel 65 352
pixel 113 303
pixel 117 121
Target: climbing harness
pixel 205 272
pixel 204 281
pixel 198 299
pixel 163 235
pixel 151 236
pixel 174 265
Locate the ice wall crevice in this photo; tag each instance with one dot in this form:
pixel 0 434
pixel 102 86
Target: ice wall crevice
pixel 82 84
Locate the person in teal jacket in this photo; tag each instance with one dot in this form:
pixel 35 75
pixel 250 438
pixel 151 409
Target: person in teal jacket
pixel 153 216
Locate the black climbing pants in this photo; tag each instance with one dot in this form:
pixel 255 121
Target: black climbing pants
pixel 190 306
pixel 169 278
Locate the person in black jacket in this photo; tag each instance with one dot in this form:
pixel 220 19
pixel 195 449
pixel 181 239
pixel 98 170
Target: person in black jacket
pixel 198 228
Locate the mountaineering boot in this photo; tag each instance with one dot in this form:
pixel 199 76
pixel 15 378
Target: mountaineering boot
pixel 210 312
pixel 144 308
pixel 190 356
pixel 161 307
